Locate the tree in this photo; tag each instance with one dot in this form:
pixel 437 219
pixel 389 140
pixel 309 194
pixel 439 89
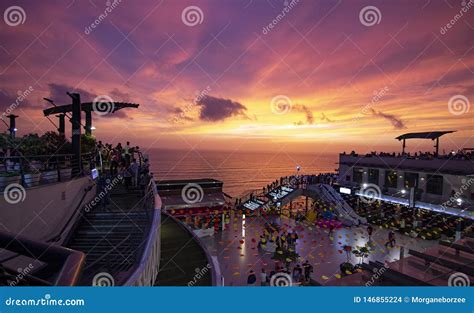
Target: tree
pixel 55 143
pixel 5 141
pixel 362 253
pixel 31 145
pixel 88 144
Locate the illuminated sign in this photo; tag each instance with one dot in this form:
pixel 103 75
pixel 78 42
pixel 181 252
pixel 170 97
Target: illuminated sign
pixel 281 192
pixel 94 173
pixel 253 204
pixel 345 190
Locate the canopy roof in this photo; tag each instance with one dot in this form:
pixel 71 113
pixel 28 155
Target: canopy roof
pixel 425 135
pixel 87 106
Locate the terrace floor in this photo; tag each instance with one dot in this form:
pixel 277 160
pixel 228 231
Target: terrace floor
pixel 237 252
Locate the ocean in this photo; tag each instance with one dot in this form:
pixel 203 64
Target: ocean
pixel 240 171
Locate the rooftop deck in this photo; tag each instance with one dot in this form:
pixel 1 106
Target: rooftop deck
pixel 237 251
pixel 448 165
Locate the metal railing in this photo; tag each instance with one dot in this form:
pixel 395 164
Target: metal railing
pixel 146 270
pixel 31 171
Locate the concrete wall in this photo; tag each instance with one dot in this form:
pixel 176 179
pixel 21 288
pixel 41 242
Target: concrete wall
pixel 45 209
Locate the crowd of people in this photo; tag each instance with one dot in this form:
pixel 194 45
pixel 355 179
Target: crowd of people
pixel 462 154
pixel 122 161
pixel 282 239
pixel 294 181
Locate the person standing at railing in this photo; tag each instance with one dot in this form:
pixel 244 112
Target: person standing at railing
pixel 116 155
pixel 126 174
pixel 100 157
pixel 134 168
pixel 126 153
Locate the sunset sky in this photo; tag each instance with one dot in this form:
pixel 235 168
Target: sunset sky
pixel 319 79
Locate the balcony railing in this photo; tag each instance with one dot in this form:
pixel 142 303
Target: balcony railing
pixel 31 171
pixel 146 270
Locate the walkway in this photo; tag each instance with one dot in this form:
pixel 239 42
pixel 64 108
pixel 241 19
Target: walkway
pixel 183 262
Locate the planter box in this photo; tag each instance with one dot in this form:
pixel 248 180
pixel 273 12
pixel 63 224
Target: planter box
pixel 35 165
pixel 48 177
pixel 32 179
pixel 7 180
pixel 65 173
pixel 13 166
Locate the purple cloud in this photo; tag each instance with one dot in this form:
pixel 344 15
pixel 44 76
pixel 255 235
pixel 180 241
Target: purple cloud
pixel 218 109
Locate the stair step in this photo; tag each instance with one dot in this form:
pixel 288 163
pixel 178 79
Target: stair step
pixel 139 228
pixel 116 214
pixel 113 230
pixel 98 238
pixel 116 218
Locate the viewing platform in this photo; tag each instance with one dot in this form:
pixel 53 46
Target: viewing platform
pixel 447 165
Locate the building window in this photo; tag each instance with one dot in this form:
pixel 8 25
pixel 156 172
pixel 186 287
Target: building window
pixel 411 180
pixel 373 176
pixel 391 179
pixel 434 184
pixel 357 175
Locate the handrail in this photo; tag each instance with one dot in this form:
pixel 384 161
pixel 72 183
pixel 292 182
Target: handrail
pixel 43 156
pixel 72 260
pixel 343 210
pixel 71 218
pixel 34 174
pixel 146 271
